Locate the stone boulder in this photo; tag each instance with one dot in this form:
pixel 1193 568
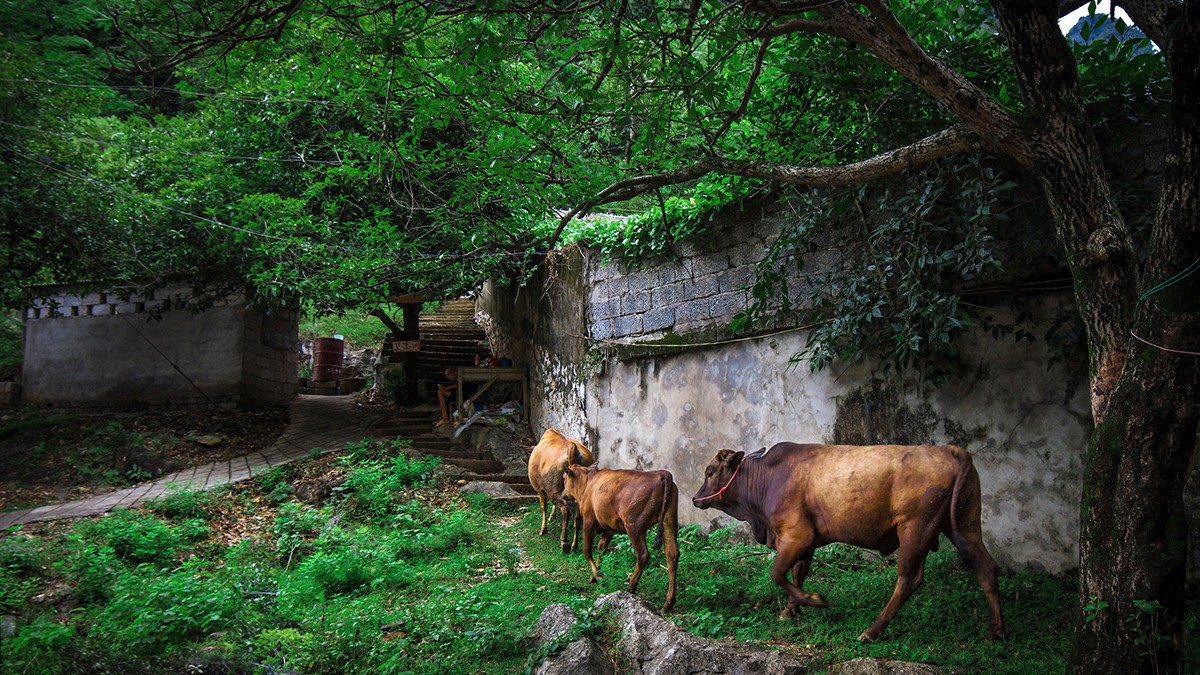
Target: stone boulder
pixel 652 645
pixel 490 488
pixel 867 666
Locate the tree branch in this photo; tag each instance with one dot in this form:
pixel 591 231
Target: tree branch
pixel 882 34
pixel 1154 17
pixel 954 140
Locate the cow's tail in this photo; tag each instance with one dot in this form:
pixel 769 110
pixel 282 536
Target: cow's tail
pixel 668 498
pixel 964 470
pixel 965 466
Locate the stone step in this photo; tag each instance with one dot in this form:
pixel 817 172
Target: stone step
pixel 517 500
pixel 513 479
pixel 407 428
pixel 446 453
pixel 476 466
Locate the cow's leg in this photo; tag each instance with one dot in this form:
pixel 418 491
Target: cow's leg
pixel 602 545
pixel 642 553
pixel 542 506
pixel 589 532
pixel 568 516
pixel 669 530
pixel 578 528
pixel 789 553
pixel 799 574
pixel 975 555
pixel 915 543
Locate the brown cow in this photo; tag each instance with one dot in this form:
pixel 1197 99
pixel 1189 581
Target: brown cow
pixel 623 501
pixel 883 497
pixel 550 457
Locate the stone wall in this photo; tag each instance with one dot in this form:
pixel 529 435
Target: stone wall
pixel 542 327
pixel 1025 424
pixel 98 353
pixel 270 358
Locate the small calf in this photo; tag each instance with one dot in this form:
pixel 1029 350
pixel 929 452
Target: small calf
pixel 623 501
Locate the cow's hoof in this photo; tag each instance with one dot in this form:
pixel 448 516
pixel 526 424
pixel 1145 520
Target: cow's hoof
pixel 993 636
pixel 787 613
pixel 566 548
pixel 818 600
pixel 865 637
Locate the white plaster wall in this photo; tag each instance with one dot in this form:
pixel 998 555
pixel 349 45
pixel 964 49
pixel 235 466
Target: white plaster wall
pixel 1029 427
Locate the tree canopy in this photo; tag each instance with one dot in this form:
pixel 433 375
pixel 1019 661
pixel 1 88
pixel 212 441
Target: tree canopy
pixel 340 152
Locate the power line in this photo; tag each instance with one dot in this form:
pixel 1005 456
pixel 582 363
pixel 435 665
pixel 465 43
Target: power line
pixel 259 158
pixel 412 256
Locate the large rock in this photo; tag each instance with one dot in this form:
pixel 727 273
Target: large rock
pixel 866 666
pixel 490 488
pixel 651 645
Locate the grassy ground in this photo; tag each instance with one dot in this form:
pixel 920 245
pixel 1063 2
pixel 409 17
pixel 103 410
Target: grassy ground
pixel 396 573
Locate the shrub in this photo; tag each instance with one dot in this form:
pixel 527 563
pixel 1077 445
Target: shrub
pixel 283 649
pixel 150 613
pixel 337 572
pixel 181 503
pixel 142 538
pixel 375 489
pixel 296 527
pixel 38 647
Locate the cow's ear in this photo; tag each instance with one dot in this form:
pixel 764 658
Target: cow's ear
pixel 732 458
pixel 594 466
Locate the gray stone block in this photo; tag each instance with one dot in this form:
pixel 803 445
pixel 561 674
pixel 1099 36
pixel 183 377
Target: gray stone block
pixel 667 294
pixel 735 279
pixel 636 302
pixel 699 287
pixel 603 329
pixel 625 326
pixel 660 318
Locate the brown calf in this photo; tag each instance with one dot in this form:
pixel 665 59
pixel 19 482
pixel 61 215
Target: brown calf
pixel 550 457
pixel 623 501
pixel 884 497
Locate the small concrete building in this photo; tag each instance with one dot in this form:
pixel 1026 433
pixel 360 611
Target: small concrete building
pixel 115 352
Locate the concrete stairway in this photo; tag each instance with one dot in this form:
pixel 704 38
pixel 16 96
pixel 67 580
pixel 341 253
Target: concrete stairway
pixel 449 338
pixel 458 459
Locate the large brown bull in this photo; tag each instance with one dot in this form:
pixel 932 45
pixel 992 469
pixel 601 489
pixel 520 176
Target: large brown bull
pixel 623 501
pixel 550 457
pixel 883 497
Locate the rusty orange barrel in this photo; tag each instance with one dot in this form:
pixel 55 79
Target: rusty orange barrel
pixel 327 359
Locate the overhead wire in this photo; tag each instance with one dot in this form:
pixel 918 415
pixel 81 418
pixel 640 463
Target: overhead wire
pixel 50 164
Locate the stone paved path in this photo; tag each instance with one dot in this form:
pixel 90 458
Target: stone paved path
pixel 325 422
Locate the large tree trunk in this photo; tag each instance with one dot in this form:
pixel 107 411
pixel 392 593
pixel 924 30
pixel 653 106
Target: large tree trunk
pixel 1133 538
pixel 1134 543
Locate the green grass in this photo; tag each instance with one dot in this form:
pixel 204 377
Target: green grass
pixel 360 330
pixel 396 574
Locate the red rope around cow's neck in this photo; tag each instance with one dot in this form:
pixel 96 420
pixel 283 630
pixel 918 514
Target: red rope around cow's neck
pixel 721 492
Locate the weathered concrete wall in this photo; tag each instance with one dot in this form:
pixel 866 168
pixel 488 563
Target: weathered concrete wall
pixel 542 327
pixel 98 353
pixel 1026 426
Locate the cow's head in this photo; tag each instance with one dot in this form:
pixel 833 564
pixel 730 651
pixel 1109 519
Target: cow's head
pixel 575 479
pixel 717 477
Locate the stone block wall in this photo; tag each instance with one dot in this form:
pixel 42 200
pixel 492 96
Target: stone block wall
pixel 99 352
pixel 270 358
pixel 704 286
